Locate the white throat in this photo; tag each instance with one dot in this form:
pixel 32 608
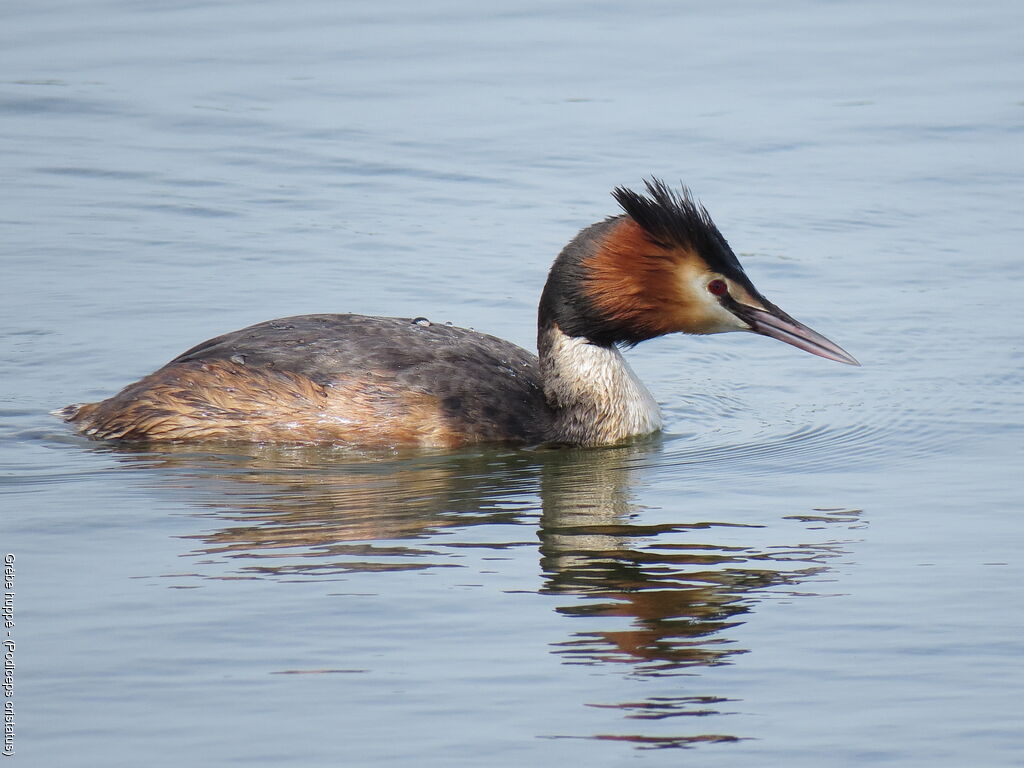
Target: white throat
pixel 595 394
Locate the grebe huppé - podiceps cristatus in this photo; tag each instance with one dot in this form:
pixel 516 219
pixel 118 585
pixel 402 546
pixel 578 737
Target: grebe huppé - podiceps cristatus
pixel 661 267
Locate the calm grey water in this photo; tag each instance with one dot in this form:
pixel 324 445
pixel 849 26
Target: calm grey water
pixel 814 565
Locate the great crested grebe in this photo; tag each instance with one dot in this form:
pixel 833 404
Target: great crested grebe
pixel 661 267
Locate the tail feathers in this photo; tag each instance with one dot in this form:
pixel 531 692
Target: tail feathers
pixel 92 420
pixel 75 411
pixel 86 419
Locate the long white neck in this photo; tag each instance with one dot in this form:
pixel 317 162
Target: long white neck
pixel 596 397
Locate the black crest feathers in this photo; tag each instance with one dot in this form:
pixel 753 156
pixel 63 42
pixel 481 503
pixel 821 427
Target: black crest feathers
pixel 673 218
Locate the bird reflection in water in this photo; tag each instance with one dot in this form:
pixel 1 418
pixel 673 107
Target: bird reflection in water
pixel 313 512
pixel 672 591
pixel 679 590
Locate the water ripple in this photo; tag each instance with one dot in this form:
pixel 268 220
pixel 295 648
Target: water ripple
pixel 810 447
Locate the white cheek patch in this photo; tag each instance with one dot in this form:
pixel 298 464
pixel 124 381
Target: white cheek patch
pixel 715 317
pixel 726 320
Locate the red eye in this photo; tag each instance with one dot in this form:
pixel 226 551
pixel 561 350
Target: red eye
pixel 718 287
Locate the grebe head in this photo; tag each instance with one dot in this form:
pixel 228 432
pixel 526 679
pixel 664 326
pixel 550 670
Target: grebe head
pixel 663 267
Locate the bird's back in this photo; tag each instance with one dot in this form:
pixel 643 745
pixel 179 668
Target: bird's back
pixel 335 378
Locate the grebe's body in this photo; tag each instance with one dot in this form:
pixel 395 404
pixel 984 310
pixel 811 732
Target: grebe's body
pixel 335 378
pixel 661 268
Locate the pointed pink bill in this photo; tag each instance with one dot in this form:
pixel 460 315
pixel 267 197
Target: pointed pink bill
pixel 784 328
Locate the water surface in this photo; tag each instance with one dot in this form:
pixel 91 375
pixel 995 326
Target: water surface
pixel 814 565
